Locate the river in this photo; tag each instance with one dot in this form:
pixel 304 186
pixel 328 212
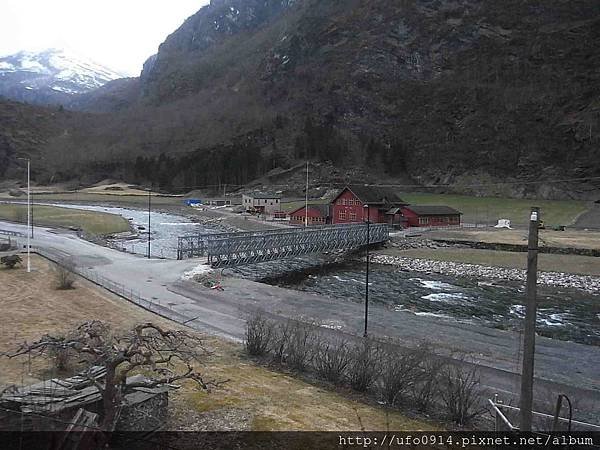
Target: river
pixel 164 229
pixel 563 313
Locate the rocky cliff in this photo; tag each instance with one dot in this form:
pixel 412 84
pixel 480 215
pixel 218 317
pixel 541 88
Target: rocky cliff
pixel 451 92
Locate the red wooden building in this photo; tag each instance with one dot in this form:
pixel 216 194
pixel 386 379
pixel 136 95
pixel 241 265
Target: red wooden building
pixel 354 202
pixel 430 216
pixel 318 214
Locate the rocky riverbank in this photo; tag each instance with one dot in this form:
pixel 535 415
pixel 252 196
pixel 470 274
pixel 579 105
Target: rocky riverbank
pixel 584 282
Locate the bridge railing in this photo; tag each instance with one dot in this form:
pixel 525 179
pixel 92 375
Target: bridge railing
pixel 246 248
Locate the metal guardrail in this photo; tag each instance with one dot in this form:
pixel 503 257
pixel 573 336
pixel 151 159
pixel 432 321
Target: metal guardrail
pixel 163 309
pixel 504 413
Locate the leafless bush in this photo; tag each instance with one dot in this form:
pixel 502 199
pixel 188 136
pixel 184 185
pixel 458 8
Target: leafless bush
pixel 64 278
pixel 399 370
pixel 460 392
pixel 301 345
pixel 331 360
pixel 259 334
pixel 426 388
pixel 363 368
pixel 280 341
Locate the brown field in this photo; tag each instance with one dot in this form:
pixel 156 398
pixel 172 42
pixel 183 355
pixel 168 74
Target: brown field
pixel 548 238
pixel 255 398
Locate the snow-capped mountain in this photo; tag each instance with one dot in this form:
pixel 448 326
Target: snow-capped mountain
pixel 50 77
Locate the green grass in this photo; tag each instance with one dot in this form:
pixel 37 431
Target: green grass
pixel 582 265
pixel 92 222
pixel 490 209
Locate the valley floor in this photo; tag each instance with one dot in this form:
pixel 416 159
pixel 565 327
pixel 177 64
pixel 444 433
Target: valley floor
pixel 255 398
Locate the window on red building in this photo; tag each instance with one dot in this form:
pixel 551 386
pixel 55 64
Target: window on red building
pixel 343 215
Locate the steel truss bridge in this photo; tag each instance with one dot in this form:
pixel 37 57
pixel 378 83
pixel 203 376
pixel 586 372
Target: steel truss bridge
pixel 235 249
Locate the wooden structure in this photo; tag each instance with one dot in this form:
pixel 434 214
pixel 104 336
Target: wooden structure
pixel 430 216
pixel 318 214
pixel 261 203
pixel 355 202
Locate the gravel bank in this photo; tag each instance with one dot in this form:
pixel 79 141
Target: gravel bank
pixel 584 282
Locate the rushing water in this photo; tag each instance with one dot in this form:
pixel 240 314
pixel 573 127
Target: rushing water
pixel 563 313
pixel 164 229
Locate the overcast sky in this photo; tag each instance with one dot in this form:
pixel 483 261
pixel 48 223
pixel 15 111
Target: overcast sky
pixel 120 34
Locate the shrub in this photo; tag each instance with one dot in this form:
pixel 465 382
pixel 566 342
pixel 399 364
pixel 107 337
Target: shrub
pixel 331 360
pixel 64 277
pixel 426 388
pixel 11 261
pixel 363 367
pixel 460 392
pixel 399 370
pixel 301 345
pixel 259 333
pixel 280 341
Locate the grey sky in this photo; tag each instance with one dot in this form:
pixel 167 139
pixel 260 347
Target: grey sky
pixel 120 34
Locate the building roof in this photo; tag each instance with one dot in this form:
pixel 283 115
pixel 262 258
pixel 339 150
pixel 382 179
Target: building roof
pixel 432 210
pixel 375 195
pixel 323 209
pixel 262 195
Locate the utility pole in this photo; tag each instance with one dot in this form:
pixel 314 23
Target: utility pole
pixel 530 318
pixel 29 224
pixel 306 201
pixel 149 215
pixel 367 277
pixel 28 215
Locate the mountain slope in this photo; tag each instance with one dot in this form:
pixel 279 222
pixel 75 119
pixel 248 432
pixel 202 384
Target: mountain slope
pixel 457 92
pixel 50 77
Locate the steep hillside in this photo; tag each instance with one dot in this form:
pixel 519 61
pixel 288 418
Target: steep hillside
pixel 458 92
pixel 26 131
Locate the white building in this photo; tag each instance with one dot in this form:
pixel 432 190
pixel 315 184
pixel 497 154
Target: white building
pixel 262 203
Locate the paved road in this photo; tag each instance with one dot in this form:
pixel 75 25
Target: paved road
pixel 562 367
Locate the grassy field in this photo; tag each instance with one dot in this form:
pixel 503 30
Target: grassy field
pixel 255 398
pixel 92 222
pixel 583 265
pixel 490 209
pixel 548 238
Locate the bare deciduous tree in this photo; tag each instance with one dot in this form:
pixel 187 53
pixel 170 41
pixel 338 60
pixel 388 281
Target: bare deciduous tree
pixel 165 356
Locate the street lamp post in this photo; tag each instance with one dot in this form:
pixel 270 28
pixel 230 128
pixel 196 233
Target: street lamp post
pixel 367 277
pixel 28 212
pixel 149 216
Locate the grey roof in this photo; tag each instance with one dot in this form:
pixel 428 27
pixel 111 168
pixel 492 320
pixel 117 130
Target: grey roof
pixel 262 195
pixel 376 195
pixel 432 210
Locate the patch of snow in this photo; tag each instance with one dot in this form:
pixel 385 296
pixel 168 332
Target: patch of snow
pixel 198 270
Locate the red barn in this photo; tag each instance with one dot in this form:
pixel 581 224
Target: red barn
pixel 353 202
pixel 317 215
pixel 430 216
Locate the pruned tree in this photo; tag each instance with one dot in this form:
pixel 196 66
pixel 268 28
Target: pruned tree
pixel 165 356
